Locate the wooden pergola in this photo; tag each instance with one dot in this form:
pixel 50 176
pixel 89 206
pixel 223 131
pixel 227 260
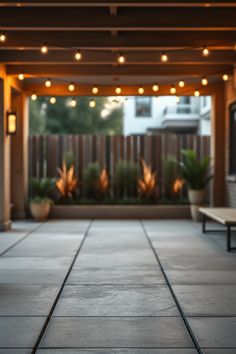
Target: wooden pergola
pixel 101 31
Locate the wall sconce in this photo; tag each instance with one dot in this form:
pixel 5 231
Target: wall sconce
pixel 11 123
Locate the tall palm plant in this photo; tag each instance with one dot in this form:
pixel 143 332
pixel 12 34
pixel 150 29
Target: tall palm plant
pixel 196 173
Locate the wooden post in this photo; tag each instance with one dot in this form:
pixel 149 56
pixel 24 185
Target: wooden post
pixel 5 101
pixel 218 145
pixel 19 157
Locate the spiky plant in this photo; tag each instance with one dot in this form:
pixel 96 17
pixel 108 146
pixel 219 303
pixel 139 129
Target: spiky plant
pixel 147 184
pixel 67 182
pixel 103 182
pixel 196 173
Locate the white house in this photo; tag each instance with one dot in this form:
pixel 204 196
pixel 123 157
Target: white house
pixel 147 114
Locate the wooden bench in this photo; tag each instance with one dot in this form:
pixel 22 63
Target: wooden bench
pixel 224 216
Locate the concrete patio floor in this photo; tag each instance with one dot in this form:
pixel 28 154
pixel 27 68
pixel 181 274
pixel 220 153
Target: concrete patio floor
pixel 151 287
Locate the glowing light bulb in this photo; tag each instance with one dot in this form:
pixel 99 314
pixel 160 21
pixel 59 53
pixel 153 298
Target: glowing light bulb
pixel 78 55
pixel 164 57
pixel 48 83
pixel 71 87
pixel 205 51
pixel 196 93
pixel 3 37
pixel 53 100
pixel 121 58
pixel 155 88
pixel 225 77
pixel 92 103
pixel 73 103
pixel 21 76
pixel 33 97
pixel 204 81
pixel 44 49
pixel 141 90
pixel 95 90
pixel 118 90
pixel 173 90
pixel 181 83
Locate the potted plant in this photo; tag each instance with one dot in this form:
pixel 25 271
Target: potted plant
pixel 40 203
pixel 196 173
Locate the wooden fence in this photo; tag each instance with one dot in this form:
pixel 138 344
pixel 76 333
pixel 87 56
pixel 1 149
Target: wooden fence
pixel 46 152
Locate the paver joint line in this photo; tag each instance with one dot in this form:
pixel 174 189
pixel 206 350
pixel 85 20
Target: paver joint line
pixel 22 239
pixel 35 348
pixel 189 329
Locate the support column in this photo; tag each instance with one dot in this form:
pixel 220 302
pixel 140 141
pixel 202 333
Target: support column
pixel 218 145
pixel 5 101
pixel 19 157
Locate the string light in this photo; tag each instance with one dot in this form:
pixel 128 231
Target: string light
pixel 196 93
pixel 173 90
pixel 118 90
pixel 71 87
pixel 73 103
pixel 44 49
pixel 164 57
pixel 33 97
pixel 177 99
pixel 92 103
pixel 21 76
pixel 204 81
pixel 225 77
pixel 121 58
pixel 205 51
pixel 141 90
pixel 3 37
pixel 53 100
pixel 48 83
pixel 155 88
pixel 95 90
pixel 78 55
pixel 181 83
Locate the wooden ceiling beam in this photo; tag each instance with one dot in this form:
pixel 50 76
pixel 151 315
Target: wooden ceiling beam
pixel 120 3
pixel 109 70
pixel 165 40
pixel 127 19
pixel 17 57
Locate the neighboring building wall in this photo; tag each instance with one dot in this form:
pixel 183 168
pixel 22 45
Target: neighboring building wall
pixel 164 115
pixel 230 95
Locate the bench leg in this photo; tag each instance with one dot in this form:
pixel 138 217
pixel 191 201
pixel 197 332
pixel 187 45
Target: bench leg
pixel 203 223
pixel 228 238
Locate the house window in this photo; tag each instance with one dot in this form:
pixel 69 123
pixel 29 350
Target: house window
pixel 143 107
pixel 232 140
pixel 183 106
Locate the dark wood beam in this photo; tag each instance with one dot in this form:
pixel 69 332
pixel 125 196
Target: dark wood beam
pixel 128 19
pixel 106 58
pixel 109 70
pixel 124 41
pixel 120 3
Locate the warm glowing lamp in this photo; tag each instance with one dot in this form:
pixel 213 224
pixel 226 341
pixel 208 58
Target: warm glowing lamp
pixel 11 123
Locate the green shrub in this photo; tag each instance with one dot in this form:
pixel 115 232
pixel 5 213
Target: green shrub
pixel 90 180
pixel 170 172
pixel 126 179
pixel 41 189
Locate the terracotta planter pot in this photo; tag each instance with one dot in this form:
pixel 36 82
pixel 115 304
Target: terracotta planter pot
pixel 196 197
pixel 40 211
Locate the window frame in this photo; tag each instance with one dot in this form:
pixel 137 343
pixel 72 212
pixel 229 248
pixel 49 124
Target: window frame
pixel 150 107
pixel 232 140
